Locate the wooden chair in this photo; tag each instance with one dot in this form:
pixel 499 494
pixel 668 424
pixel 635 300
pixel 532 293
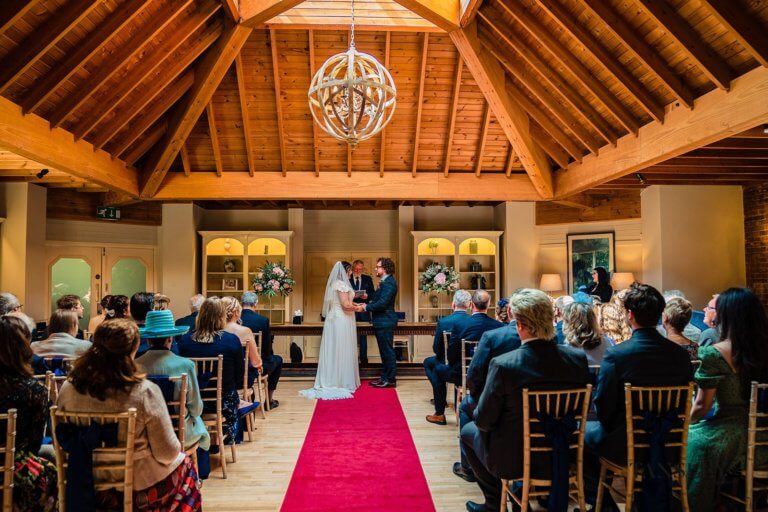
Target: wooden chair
pixel 247 394
pixel 556 404
pixel 446 338
pixel 658 401
pixel 261 384
pixel 214 421
pixel 403 342
pixel 756 427
pixel 8 450
pixel 105 459
pixel 177 410
pixel 467 351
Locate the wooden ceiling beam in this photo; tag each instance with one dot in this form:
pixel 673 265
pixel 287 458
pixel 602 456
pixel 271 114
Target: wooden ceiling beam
pixel 397 186
pixel 383 150
pixel 42 39
pixel 717 115
pixel 548 144
pixel 420 101
pixel 542 34
pixel 158 83
pixel 93 43
pixel 278 99
pixel 11 11
pixel 168 97
pixel 533 84
pixel 213 133
pixel 627 34
pixel 469 11
pixel 341 23
pixel 605 58
pixel 581 201
pixel 674 169
pixel 312 71
pixel 232 8
pixel 151 137
pixel 492 18
pixel 185 160
pixel 31 137
pixel 491 80
pixel 208 76
pixel 698 162
pixel 152 61
pixel 717 153
pixel 710 63
pixel 446 14
pixel 242 95
pixel 510 163
pixel 452 115
pixel 256 12
pixel 116 61
pixel 480 152
pixel 738 143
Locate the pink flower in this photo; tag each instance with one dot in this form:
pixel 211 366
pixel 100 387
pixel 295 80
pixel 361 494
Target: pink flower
pixel 286 286
pixel 259 288
pixel 440 278
pixel 279 271
pixel 276 286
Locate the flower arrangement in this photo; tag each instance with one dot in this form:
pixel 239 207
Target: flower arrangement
pixel 439 278
pixel 273 279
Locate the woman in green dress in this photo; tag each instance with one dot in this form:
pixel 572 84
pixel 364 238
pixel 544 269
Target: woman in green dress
pixel 717 444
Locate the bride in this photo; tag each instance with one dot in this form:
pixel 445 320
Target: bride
pixel 337 372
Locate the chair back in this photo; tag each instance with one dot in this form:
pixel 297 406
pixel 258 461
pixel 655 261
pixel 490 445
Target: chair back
pixel 177 404
pixel 8 451
pixel 112 465
pixel 467 352
pixel 257 340
pixel 244 389
pixel 59 364
pixel 658 401
pixel 446 339
pixel 757 435
pixel 555 404
pixel 210 393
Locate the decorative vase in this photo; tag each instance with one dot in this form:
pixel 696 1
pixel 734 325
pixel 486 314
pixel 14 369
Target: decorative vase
pixel 434 300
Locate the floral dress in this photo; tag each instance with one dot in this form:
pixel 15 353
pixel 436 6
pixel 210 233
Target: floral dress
pixel 717 446
pixel 35 477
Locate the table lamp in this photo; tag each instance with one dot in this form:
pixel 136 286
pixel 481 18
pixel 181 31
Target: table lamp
pixel 551 283
pixel 622 280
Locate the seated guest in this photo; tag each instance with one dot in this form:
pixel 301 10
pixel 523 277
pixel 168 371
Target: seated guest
pixel 492 343
pixel 141 304
pixel 559 307
pixel 106 380
pixel 61 341
pixel 711 335
pixel 647 359
pixel 462 301
pixel 159 360
pixel 613 323
pixel 676 317
pixel 34 478
pixel 160 302
pixel 9 303
pixel 119 307
pixel 234 310
pixel 209 340
pixel 272 363
pixel 470 329
pixel 72 303
pixel 502 312
pixel 716 446
pixel 94 322
pixel 494 441
pixel 601 286
pixel 194 307
pixel 581 331
pixel 690 331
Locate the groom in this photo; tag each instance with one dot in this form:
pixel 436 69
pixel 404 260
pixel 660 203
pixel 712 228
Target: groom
pixel 384 319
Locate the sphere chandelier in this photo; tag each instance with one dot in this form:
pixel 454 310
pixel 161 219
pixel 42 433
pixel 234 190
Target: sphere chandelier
pixel 352 96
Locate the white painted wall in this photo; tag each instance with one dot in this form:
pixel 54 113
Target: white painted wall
pixel 453 218
pixel 519 245
pixel 243 220
pixel 177 270
pixel 357 230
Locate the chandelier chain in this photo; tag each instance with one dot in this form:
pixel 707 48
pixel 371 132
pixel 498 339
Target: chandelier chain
pixel 352 28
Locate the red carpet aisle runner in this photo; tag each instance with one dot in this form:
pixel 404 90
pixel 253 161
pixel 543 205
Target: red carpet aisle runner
pixel 359 455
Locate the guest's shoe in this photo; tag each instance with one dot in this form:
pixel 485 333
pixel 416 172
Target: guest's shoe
pixel 432 401
pixel 273 404
pixel 437 419
pixel 375 383
pixel 385 384
pixel 463 473
pixel 475 507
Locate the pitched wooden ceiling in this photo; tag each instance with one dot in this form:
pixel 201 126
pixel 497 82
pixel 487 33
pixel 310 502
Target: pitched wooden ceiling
pixel 511 99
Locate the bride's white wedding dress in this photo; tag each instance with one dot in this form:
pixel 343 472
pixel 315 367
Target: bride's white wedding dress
pixel 337 373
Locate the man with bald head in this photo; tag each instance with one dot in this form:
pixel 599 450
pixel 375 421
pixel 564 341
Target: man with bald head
pixel 471 329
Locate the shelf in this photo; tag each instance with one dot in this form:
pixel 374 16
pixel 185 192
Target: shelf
pixel 238 274
pixel 226 291
pixel 478 272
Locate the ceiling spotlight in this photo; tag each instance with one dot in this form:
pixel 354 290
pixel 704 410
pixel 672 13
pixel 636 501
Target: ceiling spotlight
pixel 640 178
pixel 41 174
pixel 765 129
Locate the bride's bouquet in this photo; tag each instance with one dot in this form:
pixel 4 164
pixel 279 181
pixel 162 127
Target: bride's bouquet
pixel 439 278
pixel 273 279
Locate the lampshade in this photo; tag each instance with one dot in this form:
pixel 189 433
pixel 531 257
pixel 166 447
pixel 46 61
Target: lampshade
pixel 622 280
pixel 551 283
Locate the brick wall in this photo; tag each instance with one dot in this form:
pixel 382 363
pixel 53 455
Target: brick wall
pixel 756 238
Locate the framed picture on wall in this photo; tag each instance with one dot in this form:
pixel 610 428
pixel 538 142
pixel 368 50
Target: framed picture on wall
pixel 585 252
pixel 229 284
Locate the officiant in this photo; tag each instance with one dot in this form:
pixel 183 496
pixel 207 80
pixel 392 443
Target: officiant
pixel 362 284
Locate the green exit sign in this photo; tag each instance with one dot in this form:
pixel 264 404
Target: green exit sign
pixel 108 213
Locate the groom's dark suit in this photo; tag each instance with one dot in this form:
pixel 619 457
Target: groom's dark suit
pixel 384 319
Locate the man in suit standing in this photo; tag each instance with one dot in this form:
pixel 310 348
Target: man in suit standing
pixel 469 329
pixel 362 284
pixel 384 319
pixel 194 306
pixel 645 359
pixel 494 440
pixel 492 344
pixel 272 363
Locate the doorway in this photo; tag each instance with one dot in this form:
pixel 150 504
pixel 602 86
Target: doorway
pixel 93 271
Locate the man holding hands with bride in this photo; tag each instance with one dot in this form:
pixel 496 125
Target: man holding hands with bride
pixel 381 306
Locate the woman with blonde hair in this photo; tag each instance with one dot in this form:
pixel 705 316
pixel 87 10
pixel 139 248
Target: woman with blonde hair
pixel 676 316
pixel 234 310
pixel 106 380
pixel 582 331
pixel 613 322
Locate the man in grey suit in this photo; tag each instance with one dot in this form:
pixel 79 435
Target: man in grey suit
pixel 494 441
